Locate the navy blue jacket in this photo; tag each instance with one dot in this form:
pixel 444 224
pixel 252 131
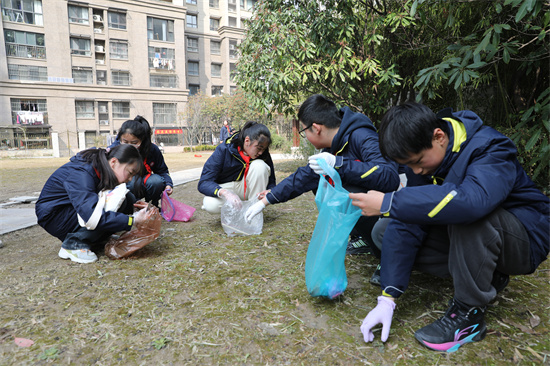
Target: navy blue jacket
pixel 154 163
pixel 479 173
pixel 72 189
pixel 355 146
pixel 226 165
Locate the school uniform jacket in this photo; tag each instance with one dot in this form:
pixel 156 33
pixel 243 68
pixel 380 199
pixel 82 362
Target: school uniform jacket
pixel 72 189
pixel 154 164
pixel 226 165
pixel 479 173
pixel 355 146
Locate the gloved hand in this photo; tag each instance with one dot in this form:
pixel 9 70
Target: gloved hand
pixel 382 313
pixel 253 211
pixel 140 216
pixel 232 198
pixel 329 158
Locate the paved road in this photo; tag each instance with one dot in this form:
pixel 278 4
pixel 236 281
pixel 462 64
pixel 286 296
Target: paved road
pixel 16 218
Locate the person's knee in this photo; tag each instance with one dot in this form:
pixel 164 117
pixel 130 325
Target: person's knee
pixel 378 230
pixel 259 167
pixel 212 205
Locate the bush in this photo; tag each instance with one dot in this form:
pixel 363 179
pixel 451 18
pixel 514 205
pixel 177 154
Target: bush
pixel 199 148
pixel 278 142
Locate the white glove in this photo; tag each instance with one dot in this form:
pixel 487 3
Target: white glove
pixel 140 216
pixel 232 198
pixel 314 165
pixel 253 211
pixel 381 314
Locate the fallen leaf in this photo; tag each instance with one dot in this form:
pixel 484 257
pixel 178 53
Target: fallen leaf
pixel 535 320
pixel 23 342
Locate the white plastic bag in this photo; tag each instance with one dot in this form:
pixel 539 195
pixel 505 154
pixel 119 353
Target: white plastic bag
pixel 234 223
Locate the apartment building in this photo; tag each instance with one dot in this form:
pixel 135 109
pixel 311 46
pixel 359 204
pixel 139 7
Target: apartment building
pixel 72 72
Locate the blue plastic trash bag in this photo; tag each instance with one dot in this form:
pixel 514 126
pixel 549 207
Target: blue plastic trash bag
pixel 325 267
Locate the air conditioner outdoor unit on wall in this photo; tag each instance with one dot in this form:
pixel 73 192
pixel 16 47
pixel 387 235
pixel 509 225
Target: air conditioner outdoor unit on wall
pixel 97 18
pixel 104 122
pixel 99 48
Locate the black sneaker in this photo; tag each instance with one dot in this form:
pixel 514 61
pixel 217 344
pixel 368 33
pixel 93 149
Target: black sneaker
pixel 500 281
pixel 458 326
pixel 356 245
pixel 375 279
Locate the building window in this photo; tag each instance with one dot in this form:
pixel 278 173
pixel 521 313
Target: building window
pixel 101 77
pixel 79 14
pixel 25 44
pixel 82 75
pixel 29 111
pixel 217 90
pixel 232 21
pixel 23 11
pixel 26 72
pixel 192 2
pixel 248 4
pixel 214 3
pixel 192 68
pixel 233 52
pixel 119 77
pixel 117 20
pixel 232 5
pixel 163 81
pixel 84 109
pixel 194 89
pixel 164 114
pixel 162 58
pixel 192 45
pixel 191 21
pixel 214 24
pixel 118 49
pixel 121 109
pixel 160 29
pixel 216 70
pixel 215 47
pixel 232 70
pixel 80 46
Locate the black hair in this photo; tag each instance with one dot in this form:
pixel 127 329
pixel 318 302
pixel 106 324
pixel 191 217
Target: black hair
pixel 99 158
pixel 140 128
pixel 408 129
pixel 321 110
pixel 255 132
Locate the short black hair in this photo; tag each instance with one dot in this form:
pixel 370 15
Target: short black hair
pixel 321 110
pixel 408 129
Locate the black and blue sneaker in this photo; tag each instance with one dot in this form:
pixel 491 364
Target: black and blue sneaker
pixel 375 279
pixel 459 325
pixel 356 245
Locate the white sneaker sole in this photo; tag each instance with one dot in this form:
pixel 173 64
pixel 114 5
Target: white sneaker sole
pixel 66 255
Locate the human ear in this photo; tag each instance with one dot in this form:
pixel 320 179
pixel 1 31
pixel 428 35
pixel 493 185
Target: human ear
pixel 112 162
pixel 439 135
pixel 316 128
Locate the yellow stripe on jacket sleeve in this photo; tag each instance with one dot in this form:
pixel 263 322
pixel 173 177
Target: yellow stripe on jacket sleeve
pixel 442 204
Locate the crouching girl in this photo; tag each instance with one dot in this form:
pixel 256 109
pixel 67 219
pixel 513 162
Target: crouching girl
pixel 72 191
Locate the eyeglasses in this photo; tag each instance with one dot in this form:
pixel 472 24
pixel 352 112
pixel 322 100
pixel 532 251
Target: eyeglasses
pixel 302 132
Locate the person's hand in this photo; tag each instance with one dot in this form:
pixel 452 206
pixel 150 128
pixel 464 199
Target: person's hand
pixel 369 202
pixel 262 195
pixel 140 216
pixel 381 314
pixel 253 211
pixel 314 165
pixel 232 198
pixel 140 204
pixel 168 190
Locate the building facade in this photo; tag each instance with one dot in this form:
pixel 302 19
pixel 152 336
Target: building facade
pixel 77 70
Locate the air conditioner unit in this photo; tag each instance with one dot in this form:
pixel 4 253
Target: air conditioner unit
pixel 104 122
pixel 97 18
pixel 99 49
pixel 100 61
pixel 98 30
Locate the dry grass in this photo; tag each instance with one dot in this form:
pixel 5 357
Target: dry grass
pixel 198 297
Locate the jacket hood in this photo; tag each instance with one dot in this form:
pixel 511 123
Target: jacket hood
pixel 351 121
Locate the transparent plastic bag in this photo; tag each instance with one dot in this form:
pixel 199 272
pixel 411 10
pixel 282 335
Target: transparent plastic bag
pixel 234 223
pixel 325 260
pixel 135 239
pixel 172 210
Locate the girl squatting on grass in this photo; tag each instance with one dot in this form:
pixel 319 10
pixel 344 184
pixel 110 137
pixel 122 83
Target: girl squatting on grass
pixel 72 191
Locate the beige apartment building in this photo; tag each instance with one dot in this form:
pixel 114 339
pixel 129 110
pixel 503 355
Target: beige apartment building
pixel 71 72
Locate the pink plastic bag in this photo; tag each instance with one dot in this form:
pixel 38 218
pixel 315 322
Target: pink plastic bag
pixel 172 210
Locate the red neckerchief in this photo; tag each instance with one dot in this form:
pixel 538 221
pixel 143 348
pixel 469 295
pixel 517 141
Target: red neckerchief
pixel 149 171
pixel 246 159
pixel 228 130
pixel 97 173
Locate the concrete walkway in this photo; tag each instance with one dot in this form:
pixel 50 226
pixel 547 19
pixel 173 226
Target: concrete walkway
pixel 16 218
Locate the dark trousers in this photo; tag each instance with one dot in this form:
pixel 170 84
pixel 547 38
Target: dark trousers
pixel 151 190
pixel 471 254
pixel 365 224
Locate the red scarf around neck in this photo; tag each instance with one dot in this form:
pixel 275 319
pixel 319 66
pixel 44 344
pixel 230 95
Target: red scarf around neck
pixel 246 159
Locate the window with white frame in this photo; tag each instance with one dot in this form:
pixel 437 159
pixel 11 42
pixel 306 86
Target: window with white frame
pixel 25 44
pixel 164 114
pixel 233 52
pixel 101 77
pixel 162 58
pixel 117 20
pixel 163 81
pixel 193 68
pixel 214 3
pixel 79 14
pixel 214 24
pixel 120 77
pixel 121 109
pixel 192 44
pixel 29 111
pixel 26 72
pixel 160 29
pixel 118 49
pixel 84 109
pixel 191 20
pixel 194 89
pixel 83 75
pixel 232 21
pixel 215 47
pixel 216 70
pixel 248 4
pixel 217 90
pixel 232 5
pixel 23 11
pixel 80 46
